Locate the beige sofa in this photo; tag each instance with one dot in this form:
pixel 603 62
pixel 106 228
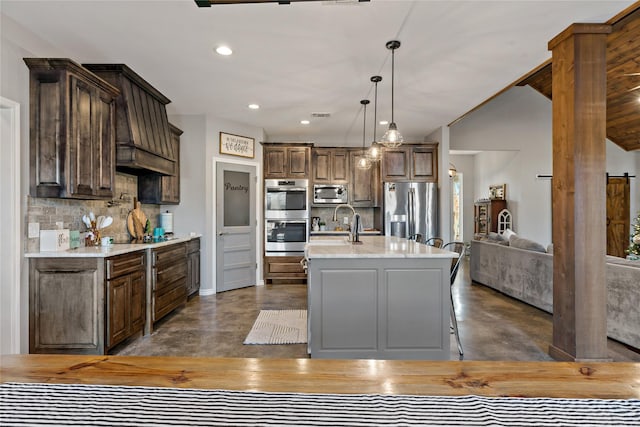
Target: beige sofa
pixel 528 276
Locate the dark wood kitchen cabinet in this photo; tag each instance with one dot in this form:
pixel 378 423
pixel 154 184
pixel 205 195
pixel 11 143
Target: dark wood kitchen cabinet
pixel 410 162
pixel 330 165
pixel 286 161
pixel 163 189
pixel 284 270
pixel 364 184
pixel 126 296
pixel 72 131
pixel 193 266
pixel 169 280
pixel 85 305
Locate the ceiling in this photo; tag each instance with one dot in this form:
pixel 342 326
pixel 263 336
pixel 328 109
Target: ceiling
pixel 623 81
pixel 312 57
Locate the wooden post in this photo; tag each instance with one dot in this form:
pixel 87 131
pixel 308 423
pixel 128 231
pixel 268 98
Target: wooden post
pixel 579 193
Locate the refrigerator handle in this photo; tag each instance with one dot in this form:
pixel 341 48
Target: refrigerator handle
pixel 411 213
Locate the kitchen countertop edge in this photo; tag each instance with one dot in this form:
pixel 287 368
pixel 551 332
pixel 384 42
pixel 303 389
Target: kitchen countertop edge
pixel 374 247
pixel 107 251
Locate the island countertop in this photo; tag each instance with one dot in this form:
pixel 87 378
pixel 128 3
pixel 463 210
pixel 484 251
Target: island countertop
pixel 372 247
pixel 107 251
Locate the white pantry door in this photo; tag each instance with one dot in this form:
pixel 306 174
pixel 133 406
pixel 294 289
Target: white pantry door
pixel 235 226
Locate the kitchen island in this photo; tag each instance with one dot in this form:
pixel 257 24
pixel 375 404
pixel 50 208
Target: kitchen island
pixel 387 298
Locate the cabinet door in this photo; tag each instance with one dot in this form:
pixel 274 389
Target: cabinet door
pixel 363 182
pixel 82 143
pixel 423 164
pixel 193 273
pixel 275 160
pixel 298 162
pixel 396 164
pixel 321 165
pixel 170 184
pixel 138 301
pixel 340 166
pixel 105 143
pixel 118 310
pixel 482 218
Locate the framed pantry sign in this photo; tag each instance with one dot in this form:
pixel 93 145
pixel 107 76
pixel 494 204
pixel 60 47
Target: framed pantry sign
pixel 236 145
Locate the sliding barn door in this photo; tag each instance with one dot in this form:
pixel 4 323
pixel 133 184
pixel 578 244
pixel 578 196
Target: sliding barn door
pixel 618 216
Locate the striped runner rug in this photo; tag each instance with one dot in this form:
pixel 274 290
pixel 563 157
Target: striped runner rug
pixel 95 405
pixel 279 327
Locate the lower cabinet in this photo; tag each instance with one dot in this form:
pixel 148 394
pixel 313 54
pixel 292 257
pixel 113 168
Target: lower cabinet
pixel 193 266
pixel 284 270
pixel 88 305
pixel 169 281
pixel 126 297
pixel 85 305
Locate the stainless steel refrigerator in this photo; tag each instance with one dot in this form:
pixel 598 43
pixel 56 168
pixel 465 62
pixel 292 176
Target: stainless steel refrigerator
pixel 411 208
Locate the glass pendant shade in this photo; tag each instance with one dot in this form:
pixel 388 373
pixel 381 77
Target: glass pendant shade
pixel 392 138
pixel 364 162
pixel 374 153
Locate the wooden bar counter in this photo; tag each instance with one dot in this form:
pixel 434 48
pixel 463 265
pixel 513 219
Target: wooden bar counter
pixel 619 380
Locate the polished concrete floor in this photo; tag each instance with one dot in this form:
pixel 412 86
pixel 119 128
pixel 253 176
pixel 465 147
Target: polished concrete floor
pixel 492 326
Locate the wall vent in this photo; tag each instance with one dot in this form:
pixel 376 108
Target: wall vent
pixel 320 115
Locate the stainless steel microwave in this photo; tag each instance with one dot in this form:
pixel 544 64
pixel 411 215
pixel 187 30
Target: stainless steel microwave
pixel 330 193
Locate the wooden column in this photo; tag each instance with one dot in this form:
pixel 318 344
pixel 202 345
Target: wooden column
pixel 579 193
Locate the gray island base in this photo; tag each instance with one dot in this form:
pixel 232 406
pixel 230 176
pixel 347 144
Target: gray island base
pixel 387 298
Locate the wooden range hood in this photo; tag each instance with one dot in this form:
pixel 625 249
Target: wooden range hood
pixel 143 138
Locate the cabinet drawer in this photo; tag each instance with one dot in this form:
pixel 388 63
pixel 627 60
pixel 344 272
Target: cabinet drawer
pixel 165 302
pixel 193 245
pixel 169 254
pixel 166 276
pixel 283 267
pixel 125 264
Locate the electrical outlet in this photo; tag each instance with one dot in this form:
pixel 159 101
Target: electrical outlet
pixel 59 225
pixel 345 220
pixel 34 230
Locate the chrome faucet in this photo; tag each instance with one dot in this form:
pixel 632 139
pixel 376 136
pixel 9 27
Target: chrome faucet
pixel 343 205
pixel 356 222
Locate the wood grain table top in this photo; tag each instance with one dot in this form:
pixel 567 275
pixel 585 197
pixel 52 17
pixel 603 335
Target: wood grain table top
pixel 614 380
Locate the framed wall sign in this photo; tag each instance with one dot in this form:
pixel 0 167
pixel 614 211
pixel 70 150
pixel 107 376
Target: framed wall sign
pixel 236 145
pixel 498 192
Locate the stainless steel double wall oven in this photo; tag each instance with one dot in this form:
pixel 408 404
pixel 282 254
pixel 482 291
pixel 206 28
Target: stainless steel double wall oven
pixel 286 216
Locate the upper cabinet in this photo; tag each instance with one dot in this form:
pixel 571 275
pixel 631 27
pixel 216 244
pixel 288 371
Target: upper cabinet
pixel 143 134
pixel 330 165
pixel 364 186
pixel 163 189
pixel 286 161
pixel 410 162
pixel 72 131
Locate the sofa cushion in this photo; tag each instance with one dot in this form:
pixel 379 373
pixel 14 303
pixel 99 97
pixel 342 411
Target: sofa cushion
pixel 522 243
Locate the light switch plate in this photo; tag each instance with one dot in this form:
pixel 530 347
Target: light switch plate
pixel 34 230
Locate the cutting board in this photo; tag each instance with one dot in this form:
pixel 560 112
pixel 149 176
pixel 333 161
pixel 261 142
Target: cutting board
pixel 136 220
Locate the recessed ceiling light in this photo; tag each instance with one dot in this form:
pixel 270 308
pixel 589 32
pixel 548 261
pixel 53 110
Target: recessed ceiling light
pixel 254 106
pixel 384 122
pixel 224 50
pixel 304 122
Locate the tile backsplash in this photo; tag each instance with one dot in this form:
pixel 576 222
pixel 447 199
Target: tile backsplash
pixel 49 211
pixel 326 215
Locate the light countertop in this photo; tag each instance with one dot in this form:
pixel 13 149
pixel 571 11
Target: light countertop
pixel 371 247
pixel 107 251
pixel 344 233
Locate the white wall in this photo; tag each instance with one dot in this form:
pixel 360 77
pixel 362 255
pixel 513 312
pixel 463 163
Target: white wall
pixel 514 134
pixel 465 166
pixel 441 136
pixel 17 43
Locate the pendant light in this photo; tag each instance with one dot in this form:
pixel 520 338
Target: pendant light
pixel 392 137
pixel 374 153
pixel 364 162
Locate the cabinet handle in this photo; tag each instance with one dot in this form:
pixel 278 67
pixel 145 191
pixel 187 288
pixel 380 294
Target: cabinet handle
pixel 222 233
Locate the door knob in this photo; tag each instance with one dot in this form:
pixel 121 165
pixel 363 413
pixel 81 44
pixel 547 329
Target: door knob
pixel 221 233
